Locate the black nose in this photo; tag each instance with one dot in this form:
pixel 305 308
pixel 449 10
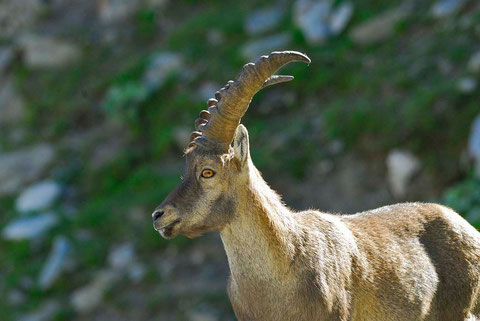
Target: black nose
pixel 157 214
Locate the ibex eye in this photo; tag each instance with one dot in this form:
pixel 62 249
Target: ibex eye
pixel 207 173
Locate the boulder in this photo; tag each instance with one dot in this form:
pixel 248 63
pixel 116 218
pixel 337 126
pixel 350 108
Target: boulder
pixel 41 51
pixel 56 262
pixel 380 27
pixel 90 296
pixel 263 20
pixel 402 166
pixel 38 196
pixel 444 8
pixel 29 228
pixel 474 145
pixel 17 15
pixel 23 166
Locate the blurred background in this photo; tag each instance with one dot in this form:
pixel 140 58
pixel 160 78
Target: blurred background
pixel 98 98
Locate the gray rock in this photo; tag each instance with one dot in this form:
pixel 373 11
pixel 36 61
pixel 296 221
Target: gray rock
pixel 46 312
pixel 380 27
pixel 313 19
pixel 90 296
pixel 340 17
pixel 56 262
pixel 6 57
pixel 467 85
pixel 121 256
pixel 443 8
pixel 263 20
pixel 17 15
pixel 402 166
pixel 203 316
pixel 253 49
pixel 29 227
pixel 474 145
pixel 12 107
pixel 40 51
pixel 16 297
pixel 216 37
pixel 474 63
pixel 157 3
pixel 106 152
pixel 136 272
pixel 38 196
pixel 23 166
pixel 162 66
pixel 110 11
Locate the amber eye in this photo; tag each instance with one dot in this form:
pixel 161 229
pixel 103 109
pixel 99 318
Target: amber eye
pixel 207 173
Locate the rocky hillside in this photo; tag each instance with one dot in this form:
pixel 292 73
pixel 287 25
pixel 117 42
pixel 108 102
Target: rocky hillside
pixel 97 100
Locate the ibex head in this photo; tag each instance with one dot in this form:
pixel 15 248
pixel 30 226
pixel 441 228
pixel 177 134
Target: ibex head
pixel 216 170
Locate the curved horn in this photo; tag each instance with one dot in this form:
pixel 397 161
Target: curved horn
pixel 232 101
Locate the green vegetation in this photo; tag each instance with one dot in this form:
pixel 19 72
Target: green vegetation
pixel 372 98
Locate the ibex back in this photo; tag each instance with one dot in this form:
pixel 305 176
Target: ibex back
pixel 404 262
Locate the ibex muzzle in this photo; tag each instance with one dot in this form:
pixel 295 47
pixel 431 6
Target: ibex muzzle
pixel 405 262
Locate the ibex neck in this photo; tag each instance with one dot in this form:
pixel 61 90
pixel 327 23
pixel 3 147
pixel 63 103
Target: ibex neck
pixel 258 241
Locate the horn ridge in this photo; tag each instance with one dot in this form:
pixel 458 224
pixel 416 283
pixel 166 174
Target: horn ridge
pixel 232 101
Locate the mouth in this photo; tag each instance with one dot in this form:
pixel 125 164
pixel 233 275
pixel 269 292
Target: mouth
pixel 167 230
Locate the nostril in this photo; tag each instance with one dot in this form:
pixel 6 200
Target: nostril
pixel 157 214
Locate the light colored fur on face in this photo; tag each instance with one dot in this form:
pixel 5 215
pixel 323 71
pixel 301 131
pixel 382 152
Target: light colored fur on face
pixel 404 262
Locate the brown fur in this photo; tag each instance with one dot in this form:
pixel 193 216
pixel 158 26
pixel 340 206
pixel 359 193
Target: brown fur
pixel 404 262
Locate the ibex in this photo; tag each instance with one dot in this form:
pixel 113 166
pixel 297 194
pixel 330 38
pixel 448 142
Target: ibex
pixel 405 262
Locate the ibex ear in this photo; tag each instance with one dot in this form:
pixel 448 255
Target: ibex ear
pixel 240 145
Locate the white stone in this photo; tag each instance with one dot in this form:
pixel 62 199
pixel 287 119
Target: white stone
pixel 253 49
pixel 29 227
pixel 312 17
pixel 474 63
pixel 38 196
pixel 467 85
pixel 45 52
pixel 121 256
pixel 215 37
pixel 111 11
pixel 402 166
pixel 162 66
pixel 340 18
pixel 16 297
pixel 443 8
pixel 56 262
pixel 6 57
pixel 474 145
pixel 202 316
pixel 90 296
pixel 106 152
pixel 136 272
pixel 380 27
pixel 23 166
pixel 17 15
pixel 263 20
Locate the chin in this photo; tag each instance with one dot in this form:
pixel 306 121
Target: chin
pixel 167 233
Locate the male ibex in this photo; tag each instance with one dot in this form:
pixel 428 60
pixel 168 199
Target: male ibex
pixel 403 262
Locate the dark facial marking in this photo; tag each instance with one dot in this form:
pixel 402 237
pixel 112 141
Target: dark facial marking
pixel 169 229
pixel 222 210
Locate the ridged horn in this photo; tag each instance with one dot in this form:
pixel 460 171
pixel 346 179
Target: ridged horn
pixel 232 101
